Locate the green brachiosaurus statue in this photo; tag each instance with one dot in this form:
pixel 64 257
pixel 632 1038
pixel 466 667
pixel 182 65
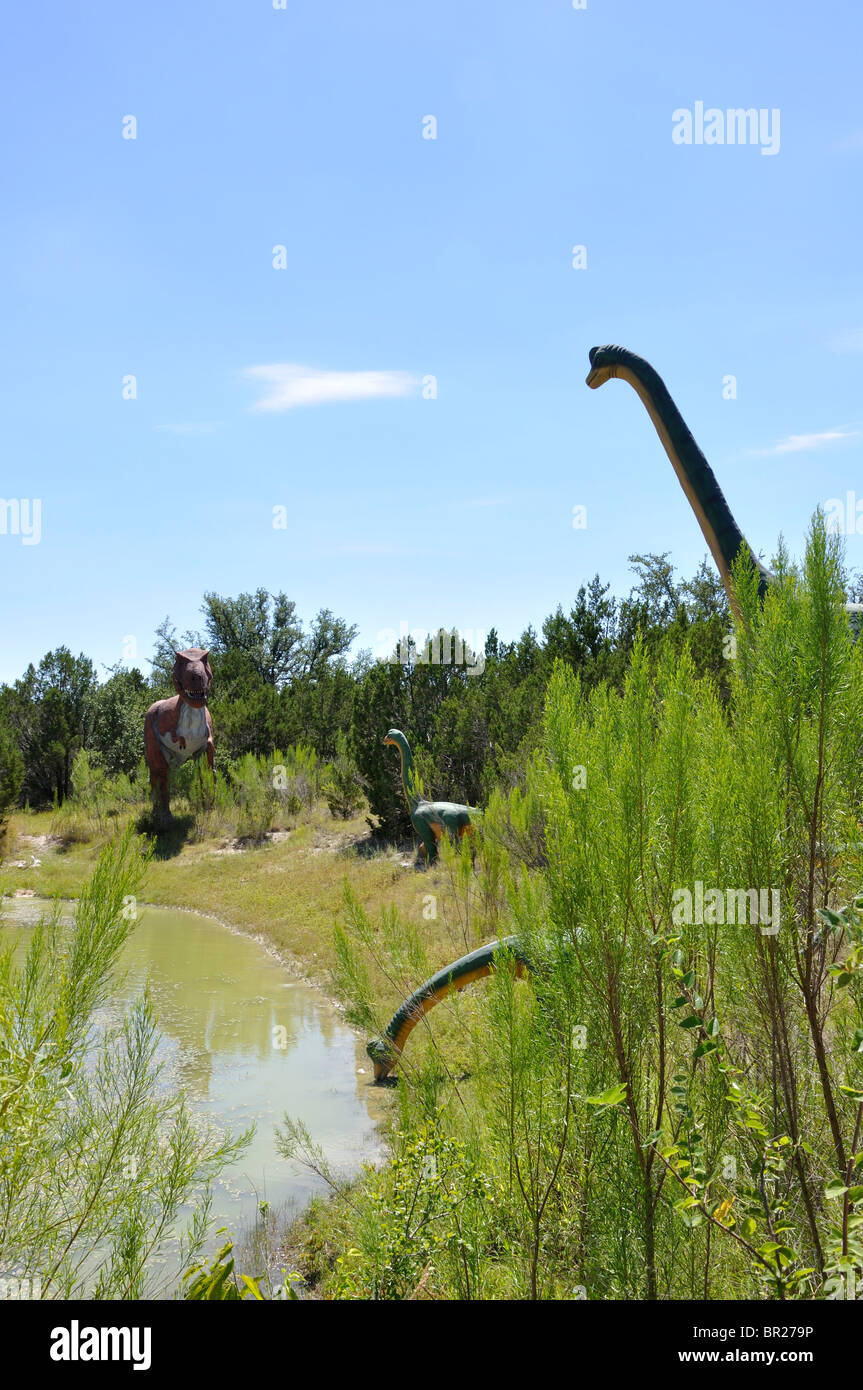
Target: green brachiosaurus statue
pixel 725 540
pixel 696 477
pixel 430 819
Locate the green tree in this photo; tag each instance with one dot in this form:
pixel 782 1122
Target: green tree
pixel 266 630
pixel 11 771
pixel 50 712
pixel 409 692
pixel 119 706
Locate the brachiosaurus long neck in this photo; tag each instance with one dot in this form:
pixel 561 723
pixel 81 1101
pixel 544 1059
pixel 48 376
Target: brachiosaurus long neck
pixel 408 779
pixel 697 478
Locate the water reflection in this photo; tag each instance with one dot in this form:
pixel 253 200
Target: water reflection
pixel 248 1043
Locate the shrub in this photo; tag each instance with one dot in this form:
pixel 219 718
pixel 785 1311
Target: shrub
pixel 342 786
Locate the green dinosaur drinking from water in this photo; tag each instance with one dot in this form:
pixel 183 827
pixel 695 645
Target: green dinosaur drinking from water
pixel 430 819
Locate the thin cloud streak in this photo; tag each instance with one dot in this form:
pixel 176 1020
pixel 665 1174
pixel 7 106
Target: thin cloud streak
pixel 805 443
pixel 290 385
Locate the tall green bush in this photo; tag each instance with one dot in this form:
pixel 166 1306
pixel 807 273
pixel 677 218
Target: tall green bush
pixel 673 1106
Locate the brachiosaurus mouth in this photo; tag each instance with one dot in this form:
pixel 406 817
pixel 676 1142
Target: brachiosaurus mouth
pixel 603 365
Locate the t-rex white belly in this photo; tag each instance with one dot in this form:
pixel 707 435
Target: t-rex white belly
pixel 191 726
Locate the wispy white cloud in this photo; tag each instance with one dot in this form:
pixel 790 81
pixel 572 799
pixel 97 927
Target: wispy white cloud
pixel 193 427
pixel 849 342
pixel 805 443
pixel 290 384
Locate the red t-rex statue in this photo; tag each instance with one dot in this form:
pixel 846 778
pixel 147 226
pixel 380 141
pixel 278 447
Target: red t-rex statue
pixel 179 728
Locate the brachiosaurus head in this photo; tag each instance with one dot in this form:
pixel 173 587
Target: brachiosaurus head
pixel 192 676
pixel 396 739
pixel 605 363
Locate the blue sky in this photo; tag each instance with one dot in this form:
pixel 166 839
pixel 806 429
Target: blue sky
pixel 408 258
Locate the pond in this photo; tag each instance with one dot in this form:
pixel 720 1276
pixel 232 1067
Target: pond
pixel 248 1042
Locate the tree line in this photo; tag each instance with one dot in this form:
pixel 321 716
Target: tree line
pixel 279 681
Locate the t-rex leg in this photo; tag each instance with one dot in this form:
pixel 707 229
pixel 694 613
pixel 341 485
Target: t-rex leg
pixel 211 748
pixel 157 763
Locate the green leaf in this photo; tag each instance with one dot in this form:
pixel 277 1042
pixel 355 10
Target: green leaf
pixel 835 1189
pixel 693 1021
pixel 691 1218
pixel 613 1096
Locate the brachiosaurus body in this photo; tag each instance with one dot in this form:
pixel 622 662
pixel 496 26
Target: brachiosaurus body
pixel 430 819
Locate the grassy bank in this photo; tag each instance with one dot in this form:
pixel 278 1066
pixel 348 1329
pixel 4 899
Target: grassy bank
pixel 289 888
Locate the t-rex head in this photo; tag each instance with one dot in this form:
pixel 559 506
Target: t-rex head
pixel 192 676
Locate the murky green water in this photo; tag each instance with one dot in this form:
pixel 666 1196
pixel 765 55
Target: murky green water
pixel 248 1043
